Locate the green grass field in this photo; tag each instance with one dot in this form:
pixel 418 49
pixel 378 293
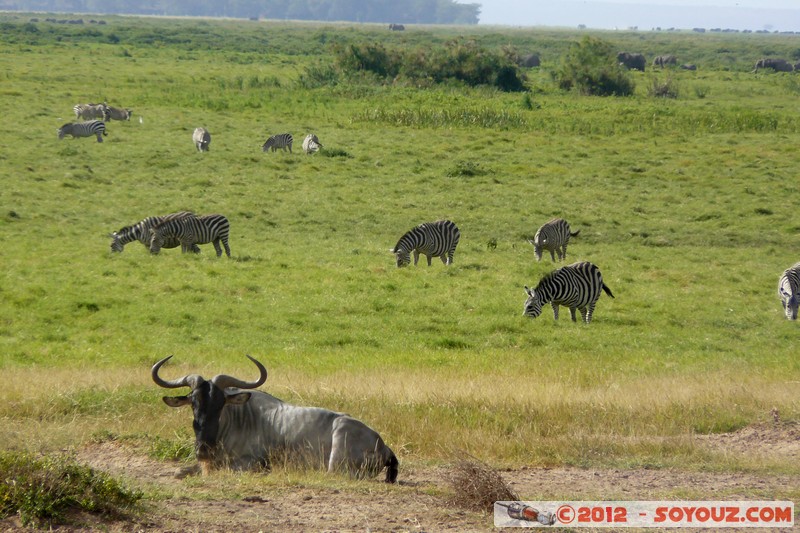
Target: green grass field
pixel 687 205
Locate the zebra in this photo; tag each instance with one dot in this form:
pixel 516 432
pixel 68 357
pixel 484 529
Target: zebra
pixel 282 141
pixel 91 111
pixel 311 144
pixel 576 286
pixel 437 239
pixel 141 232
pixel 190 231
pixel 116 113
pixel 201 139
pixel 84 129
pixel 553 236
pixel 789 290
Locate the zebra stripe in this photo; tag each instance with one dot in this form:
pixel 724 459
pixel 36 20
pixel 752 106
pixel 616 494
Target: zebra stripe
pixel 201 139
pixel 141 232
pixel 553 236
pixel 789 291
pixel 434 239
pixel 311 144
pixel 92 111
pixel 83 129
pixel 577 286
pixel 192 230
pixel 282 141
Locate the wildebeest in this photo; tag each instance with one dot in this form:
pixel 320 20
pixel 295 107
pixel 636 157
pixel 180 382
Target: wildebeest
pixel 242 429
pixel 396 27
pixel 117 113
pixel 776 64
pixel 632 61
pixel 665 61
pixel 529 61
pixel 202 139
pixel 689 66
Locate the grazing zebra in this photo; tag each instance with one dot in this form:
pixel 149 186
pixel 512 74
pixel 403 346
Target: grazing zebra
pixel 789 290
pixel 201 139
pixel 282 141
pixel 116 113
pixel 576 286
pixel 191 231
pixel 92 111
pixel 84 129
pixel 141 232
pixel 434 239
pixel 553 236
pixel 311 144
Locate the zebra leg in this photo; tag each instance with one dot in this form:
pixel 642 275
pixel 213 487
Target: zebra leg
pixel 588 317
pixel 585 315
pixel 217 247
pixel 227 248
pixel 99 137
pixel 428 257
pixel 555 310
pixel 553 256
pixel 572 313
pixel 416 257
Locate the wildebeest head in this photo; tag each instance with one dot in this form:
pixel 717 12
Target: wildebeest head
pixel 533 305
pixel 208 398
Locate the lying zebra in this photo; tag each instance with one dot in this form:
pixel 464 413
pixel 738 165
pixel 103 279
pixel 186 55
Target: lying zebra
pixel 84 129
pixel 141 232
pixel 191 231
pixel 311 144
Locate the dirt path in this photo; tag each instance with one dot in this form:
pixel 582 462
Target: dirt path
pixel 418 505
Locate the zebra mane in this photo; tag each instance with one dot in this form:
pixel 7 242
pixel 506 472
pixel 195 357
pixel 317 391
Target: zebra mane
pixel 547 277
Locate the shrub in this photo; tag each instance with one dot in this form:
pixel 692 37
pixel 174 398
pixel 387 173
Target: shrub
pixel 45 489
pixel 591 67
pixel 477 485
pixel 664 89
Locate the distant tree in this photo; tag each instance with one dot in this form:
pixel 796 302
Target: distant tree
pixel 591 67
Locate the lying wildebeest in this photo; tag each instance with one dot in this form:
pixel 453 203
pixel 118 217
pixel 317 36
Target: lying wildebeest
pixel 242 429
pixel 776 64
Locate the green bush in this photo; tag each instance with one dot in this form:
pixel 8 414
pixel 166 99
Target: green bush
pixel 45 489
pixel 591 67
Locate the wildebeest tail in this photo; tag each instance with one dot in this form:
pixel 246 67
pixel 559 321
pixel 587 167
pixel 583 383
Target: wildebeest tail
pixel 391 468
pixel 608 291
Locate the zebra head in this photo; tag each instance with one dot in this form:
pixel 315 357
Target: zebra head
pixel 790 305
pixel 533 305
pixel 402 256
pixel 538 243
pixel 116 244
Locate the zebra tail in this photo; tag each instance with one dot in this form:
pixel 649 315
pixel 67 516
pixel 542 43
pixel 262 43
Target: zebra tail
pixel 574 234
pixel 607 290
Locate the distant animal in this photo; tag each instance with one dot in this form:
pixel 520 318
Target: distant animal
pixel 776 64
pixel 553 236
pixel 201 139
pixel 84 129
pixel 577 286
pixel 92 111
pixel 396 27
pixel 240 428
pixel 789 290
pixel 665 61
pixel 117 113
pixel 689 66
pixel 529 61
pixel 192 230
pixel 282 141
pixel 311 144
pixel 632 60
pixel 141 232
pixel 434 239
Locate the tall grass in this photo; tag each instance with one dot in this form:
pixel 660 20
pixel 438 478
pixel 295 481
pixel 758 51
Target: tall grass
pixel 684 204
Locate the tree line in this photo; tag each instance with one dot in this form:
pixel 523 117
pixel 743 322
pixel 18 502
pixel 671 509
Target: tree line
pixel 379 11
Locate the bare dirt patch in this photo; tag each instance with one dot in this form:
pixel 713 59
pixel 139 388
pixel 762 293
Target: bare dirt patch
pixel 423 499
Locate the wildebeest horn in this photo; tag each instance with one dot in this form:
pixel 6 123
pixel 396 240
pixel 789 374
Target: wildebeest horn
pixel 222 381
pixel 189 380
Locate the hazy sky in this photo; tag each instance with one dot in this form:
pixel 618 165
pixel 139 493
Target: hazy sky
pixel 781 15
